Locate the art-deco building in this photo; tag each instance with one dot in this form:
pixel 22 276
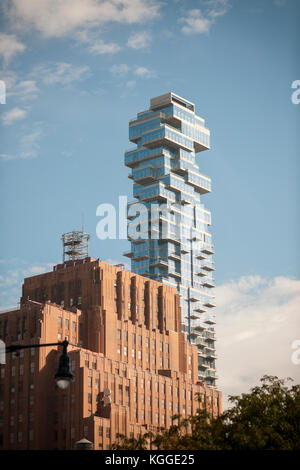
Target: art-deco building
pixel 168 225
pixel 133 366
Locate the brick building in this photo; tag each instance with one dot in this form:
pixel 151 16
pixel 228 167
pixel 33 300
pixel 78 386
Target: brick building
pixel 127 345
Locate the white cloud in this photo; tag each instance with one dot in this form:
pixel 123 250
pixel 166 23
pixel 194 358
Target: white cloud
pixel 13 273
pixel 130 84
pixel 257 321
pixel 144 72
pixel 56 18
pixel 196 23
pixel 120 70
pixel 22 89
pixel 60 72
pixel 10 46
pixel 29 146
pixel 14 114
pixel 139 40
pixel 199 22
pixel 95 44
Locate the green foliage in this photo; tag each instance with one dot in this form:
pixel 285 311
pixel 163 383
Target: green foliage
pixel 267 418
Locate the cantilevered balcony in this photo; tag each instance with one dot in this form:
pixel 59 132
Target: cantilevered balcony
pixel 208 249
pixel 159 263
pixel 201 183
pixel 209 282
pixel 128 254
pixel 208 265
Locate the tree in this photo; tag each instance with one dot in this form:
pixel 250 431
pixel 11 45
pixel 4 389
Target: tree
pixel 266 418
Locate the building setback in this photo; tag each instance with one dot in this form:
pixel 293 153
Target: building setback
pixel 128 349
pixel 170 239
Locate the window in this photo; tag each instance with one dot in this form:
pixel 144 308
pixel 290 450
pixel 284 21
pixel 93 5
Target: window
pixel 160 346
pixel 119 349
pixel 140 355
pixel 153 344
pixel 89 381
pixel 19 437
pixel 89 398
pixel 85 431
pixel 125 350
pixel 13 371
pixel 125 335
pixel 12 421
pixel 32 367
pixel 100 431
pixel 142 383
pixel 139 340
pixel 11 438
pixel 147 342
pixel 119 334
pixel 190 360
pixel 31 434
pixel 74 326
pixel 133 337
pixel 72 433
pixel 108 432
pixel 67 324
pixel 59 337
pixel 20 419
pixel 59 322
pixel 133 353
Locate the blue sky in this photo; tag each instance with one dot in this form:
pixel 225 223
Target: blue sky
pixel 77 71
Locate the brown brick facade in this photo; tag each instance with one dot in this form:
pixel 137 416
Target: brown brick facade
pixel 129 340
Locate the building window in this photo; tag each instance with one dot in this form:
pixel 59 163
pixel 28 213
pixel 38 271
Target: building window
pixel 133 338
pixel 190 360
pixel 118 334
pixel 20 419
pixel 125 335
pixel 119 349
pixel 67 324
pixel 31 434
pixel 11 438
pixel 139 340
pixel 19 437
pixel 153 344
pixel 59 322
pixel 147 342
pixel 74 326
pixel 160 346
pixel 12 421
pixel 142 383
pixel 85 431
pixel 140 355
pixel 89 398
pixel 125 350
pixel 32 367
pixel 72 433
pixel 13 371
pixel 133 353
pixel 108 432
pixel 59 337
pixel 89 381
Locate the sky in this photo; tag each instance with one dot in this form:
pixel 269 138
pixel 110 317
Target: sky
pixel 76 71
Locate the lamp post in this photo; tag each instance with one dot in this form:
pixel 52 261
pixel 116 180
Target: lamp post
pixel 63 376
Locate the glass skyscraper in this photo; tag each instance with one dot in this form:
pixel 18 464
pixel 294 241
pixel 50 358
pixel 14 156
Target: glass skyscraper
pixel 168 225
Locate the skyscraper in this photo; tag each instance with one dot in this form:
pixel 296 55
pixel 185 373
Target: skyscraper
pixel 168 225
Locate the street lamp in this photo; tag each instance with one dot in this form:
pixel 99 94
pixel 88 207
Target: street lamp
pixel 63 376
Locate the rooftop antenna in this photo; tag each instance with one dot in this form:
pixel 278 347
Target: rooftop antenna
pixel 75 245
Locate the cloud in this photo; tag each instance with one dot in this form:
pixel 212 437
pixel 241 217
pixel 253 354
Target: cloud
pixel 144 72
pixel 196 23
pixel 199 22
pixel 120 70
pixel 60 72
pixel 29 146
pixel 56 18
pixel 13 273
pixel 22 89
pixel 10 46
pixel 14 114
pixel 139 40
pixel 95 44
pixel 257 321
